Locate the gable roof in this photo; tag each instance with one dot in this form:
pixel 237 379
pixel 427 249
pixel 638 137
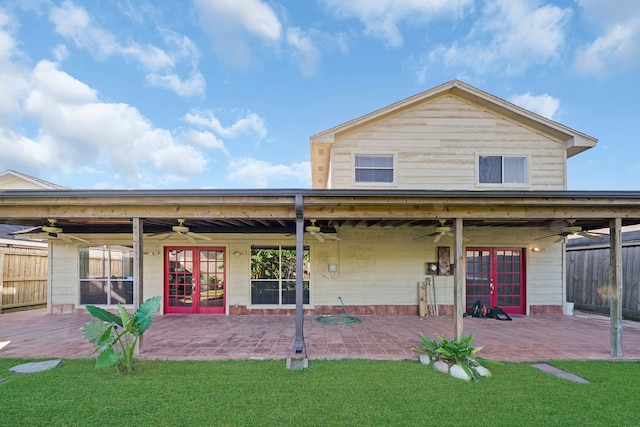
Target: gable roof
pixel 11 179
pixel 574 142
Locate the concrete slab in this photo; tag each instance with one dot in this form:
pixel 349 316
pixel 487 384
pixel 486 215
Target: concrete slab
pixel 559 373
pixel 30 368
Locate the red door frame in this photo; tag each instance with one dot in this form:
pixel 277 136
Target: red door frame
pixel 182 281
pixel 497 287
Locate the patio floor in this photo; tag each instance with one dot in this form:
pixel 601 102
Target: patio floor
pixel 35 334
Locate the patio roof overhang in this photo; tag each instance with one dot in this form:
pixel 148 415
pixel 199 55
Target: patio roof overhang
pixel 273 210
pixel 284 211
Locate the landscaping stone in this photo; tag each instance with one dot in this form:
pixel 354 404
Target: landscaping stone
pixel 425 359
pixel 29 368
pixel 457 371
pixel 441 366
pixel 482 371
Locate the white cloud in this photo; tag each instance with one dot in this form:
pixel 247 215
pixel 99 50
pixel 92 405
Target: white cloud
pixel 260 174
pixel 251 123
pixel 204 139
pixel 254 16
pixel 305 50
pixel 617 48
pixel 235 24
pixel 511 35
pixel 382 18
pixel 14 81
pixel 75 24
pixel 544 105
pixel 80 134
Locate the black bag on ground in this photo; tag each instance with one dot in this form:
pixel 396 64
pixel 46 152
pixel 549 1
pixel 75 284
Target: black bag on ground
pixel 476 309
pixel 498 313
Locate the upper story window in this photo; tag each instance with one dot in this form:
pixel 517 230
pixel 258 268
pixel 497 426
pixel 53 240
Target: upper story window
pixel 502 170
pixel 374 168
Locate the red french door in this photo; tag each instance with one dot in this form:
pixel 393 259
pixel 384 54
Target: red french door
pixel 496 278
pixel 195 280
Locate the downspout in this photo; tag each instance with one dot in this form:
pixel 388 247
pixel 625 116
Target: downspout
pixel 299 335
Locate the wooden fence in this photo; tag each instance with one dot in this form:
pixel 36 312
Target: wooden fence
pixel 588 279
pixel 23 277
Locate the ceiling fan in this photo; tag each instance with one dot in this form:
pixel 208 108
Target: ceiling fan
pixel 49 231
pixel 571 230
pixel 315 231
pixel 440 231
pixel 180 230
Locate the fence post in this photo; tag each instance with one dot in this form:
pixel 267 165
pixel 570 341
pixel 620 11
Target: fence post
pixel 1 280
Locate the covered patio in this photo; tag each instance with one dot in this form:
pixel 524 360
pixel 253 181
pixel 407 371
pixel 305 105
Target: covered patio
pixel 35 334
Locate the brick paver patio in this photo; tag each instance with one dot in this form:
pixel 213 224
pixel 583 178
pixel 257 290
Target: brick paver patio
pixel 35 334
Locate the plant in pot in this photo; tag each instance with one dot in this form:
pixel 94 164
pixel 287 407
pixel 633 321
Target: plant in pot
pixel 116 335
pixel 457 356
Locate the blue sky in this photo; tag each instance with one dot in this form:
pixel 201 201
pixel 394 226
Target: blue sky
pixel 226 93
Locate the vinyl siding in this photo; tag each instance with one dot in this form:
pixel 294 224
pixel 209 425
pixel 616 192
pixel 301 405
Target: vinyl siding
pixel 436 144
pixel 376 265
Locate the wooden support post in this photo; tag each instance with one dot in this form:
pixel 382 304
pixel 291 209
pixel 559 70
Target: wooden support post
pixel 138 256
pixel 299 335
pixel 1 281
pixel 422 299
pixel 458 279
pixel 615 273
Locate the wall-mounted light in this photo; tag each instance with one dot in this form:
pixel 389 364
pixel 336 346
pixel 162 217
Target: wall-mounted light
pixel 332 268
pixel 536 249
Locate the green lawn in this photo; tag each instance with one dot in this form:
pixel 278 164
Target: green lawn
pixel 329 393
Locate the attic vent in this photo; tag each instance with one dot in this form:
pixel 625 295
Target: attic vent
pixel 320 168
pixel 321 151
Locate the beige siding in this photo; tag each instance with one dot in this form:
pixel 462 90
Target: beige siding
pixel 436 145
pixel 382 266
pixel 65 285
pixel 376 266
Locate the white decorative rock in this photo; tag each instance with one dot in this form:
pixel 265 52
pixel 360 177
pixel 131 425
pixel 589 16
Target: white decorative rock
pixel 425 359
pixel 441 366
pixel 456 371
pixel 482 371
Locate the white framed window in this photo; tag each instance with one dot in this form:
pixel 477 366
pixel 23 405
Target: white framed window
pixel 374 168
pixel 106 275
pixel 506 170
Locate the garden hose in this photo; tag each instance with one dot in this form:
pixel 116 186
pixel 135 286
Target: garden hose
pixel 338 319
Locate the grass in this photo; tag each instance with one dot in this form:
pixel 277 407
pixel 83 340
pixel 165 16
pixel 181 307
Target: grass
pixel 329 393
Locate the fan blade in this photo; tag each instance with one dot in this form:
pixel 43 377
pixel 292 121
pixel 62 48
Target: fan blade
pixel 421 236
pixel 188 236
pixel 199 236
pixel 330 236
pixel 159 236
pixel 546 237
pixel 589 236
pixel 318 236
pixel 437 239
pixel 560 239
pixel 68 236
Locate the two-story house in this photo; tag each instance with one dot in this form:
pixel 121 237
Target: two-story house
pixel 452 178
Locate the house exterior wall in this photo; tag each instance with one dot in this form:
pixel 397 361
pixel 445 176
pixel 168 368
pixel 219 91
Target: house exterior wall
pixel 436 144
pixel 378 269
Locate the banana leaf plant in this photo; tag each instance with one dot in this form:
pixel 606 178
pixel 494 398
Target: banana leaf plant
pixel 116 335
